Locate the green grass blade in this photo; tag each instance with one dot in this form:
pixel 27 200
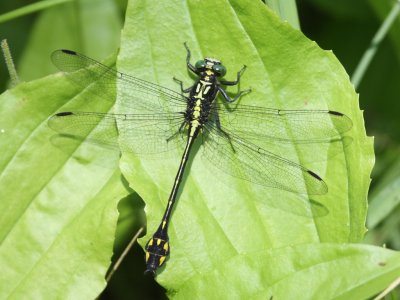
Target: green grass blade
pixel 385 196
pixel 29 9
pixel 373 47
pixel 286 10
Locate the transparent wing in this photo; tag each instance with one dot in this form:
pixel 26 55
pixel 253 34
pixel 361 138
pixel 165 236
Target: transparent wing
pixel 286 126
pixel 143 134
pixel 140 95
pixel 245 160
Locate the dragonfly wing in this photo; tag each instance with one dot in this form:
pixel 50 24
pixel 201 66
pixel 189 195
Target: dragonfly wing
pixel 101 80
pixel 244 160
pixel 285 126
pixel 143 134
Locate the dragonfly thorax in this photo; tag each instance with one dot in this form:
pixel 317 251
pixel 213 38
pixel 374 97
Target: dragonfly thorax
pixel 200 101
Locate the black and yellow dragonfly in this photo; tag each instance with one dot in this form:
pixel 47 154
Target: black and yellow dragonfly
pixel 161 119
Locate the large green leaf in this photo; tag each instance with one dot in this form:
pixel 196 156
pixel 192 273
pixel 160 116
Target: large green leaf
pixel 220 219
pixel 58 206
pixel 312 271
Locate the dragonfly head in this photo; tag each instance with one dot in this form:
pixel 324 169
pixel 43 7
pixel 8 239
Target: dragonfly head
pixel 212 65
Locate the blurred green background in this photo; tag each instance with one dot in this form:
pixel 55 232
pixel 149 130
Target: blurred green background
pixel 346 27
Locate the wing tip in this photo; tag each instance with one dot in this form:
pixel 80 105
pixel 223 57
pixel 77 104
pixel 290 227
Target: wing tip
pixel 64 113
pixel 70 52
pixel 346 123
pixel 336 113
pixel 319 189
pixel 314 175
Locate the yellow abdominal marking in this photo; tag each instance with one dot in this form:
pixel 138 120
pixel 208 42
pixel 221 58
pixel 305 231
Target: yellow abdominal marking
pixel 197 108
pixel 195 124
pixel 166 246
pixel 162 258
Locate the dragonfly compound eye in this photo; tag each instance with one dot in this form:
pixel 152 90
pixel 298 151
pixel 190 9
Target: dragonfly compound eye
pixel 219 69
pixel 200 65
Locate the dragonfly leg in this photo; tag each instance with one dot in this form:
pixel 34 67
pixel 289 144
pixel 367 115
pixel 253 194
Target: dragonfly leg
pixel 234 82
pixel 189 65
pixel 177 133
pixel 229 99
pixel 183 90
pixel 217 120
pixel 218 124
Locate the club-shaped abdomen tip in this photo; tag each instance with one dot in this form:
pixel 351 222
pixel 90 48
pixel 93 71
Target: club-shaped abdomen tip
pixel 152 264
pixel 149 272
pixel 157 250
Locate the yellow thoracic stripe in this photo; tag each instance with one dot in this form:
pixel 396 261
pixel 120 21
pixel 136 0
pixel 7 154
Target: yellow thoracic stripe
pixel 202 89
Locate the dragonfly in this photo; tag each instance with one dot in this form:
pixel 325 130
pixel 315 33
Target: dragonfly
pixel 161 119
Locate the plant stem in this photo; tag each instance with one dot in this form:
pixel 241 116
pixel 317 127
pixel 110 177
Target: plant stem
pixel 373 47
pixel 123 255
pixel 9 63
pixel 390 288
